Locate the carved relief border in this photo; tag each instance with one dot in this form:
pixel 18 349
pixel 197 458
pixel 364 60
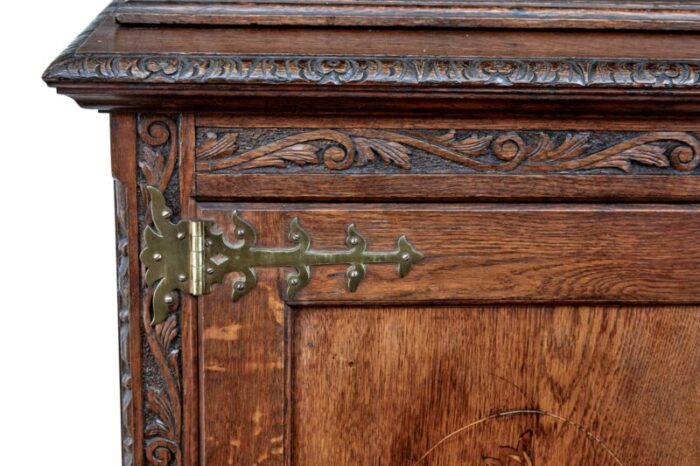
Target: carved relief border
pixel 157 159
pixel 347 70
pixel 368 150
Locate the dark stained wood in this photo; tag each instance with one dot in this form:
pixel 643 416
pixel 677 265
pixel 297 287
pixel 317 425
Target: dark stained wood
pixel 190 319
pixel 123 129
pixel 376 70
pixel 444 188
pixel 452 386
pixel 670 15
pixel 111 38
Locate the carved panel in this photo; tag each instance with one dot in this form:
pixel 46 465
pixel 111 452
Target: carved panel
pixel 161 371
pixel 369 150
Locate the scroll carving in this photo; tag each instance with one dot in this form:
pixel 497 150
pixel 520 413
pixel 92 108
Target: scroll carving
pixel 494 151
pixel 157 163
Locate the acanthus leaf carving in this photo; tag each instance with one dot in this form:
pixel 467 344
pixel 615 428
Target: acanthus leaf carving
pixel 388 151
pixel 157 162
pixel 495 151
pixel 217 147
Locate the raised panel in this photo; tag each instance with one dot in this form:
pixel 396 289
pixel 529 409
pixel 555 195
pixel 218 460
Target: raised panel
pixel 561 334
pixel 466 386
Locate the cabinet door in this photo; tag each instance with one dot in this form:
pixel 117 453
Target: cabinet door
pixel 529 334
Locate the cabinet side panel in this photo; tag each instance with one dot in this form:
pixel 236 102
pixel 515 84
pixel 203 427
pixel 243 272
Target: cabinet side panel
pixel 123 127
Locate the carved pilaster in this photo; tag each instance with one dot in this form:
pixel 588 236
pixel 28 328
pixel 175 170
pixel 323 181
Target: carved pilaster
pixel 157 159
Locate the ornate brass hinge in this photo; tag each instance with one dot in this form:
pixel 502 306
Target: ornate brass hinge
pixel 191 256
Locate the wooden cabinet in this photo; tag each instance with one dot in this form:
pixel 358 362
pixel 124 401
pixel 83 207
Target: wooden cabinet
pixel 537 191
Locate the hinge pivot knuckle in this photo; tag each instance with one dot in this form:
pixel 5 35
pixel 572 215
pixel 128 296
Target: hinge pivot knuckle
pixel 196 235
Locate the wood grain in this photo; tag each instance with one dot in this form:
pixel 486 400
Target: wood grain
pixel 504 253
pixel 593 385
pixel 243 371
pixel 447 188
pixel 190 319
pixel 580 15
pixel 111 38
pixel 123 157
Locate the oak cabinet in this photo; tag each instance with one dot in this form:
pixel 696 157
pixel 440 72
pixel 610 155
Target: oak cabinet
pixel 402 245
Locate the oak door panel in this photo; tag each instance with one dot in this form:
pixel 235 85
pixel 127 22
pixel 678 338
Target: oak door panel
pixel 452 386
pixel 475 355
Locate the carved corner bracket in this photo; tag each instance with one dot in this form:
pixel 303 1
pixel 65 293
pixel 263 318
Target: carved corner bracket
pixel 191 256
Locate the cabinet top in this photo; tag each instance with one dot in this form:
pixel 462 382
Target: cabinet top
pixel 540 14
pixel 114 65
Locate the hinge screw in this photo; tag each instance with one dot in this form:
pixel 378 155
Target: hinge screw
pixel 406 257
pixel 181 235
pixel 294 281
pixel 169 299
pixel 296 237
pixel 240 286
pixel 210 271
pixel 354 240
pixel 354 274
pixel 240 232
pixel 166 213
pixel 209 242
pixel 182 278
pixel 157 257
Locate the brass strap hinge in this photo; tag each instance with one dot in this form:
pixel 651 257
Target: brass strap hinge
pixel 191 256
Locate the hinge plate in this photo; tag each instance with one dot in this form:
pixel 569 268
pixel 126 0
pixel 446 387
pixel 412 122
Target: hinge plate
pixel 191 256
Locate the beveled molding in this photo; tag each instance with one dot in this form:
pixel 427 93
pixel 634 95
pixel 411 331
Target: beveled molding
pixel 657 15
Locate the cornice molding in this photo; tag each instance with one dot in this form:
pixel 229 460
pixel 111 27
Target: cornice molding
pixel 354 71
pixel 429 73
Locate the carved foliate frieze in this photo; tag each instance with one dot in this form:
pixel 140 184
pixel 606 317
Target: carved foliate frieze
pixel 431 151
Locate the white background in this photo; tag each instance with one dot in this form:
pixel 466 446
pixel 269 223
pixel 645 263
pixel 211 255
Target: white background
pixel 59 376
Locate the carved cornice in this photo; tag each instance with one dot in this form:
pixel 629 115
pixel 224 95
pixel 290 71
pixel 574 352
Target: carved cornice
pixel 342 70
